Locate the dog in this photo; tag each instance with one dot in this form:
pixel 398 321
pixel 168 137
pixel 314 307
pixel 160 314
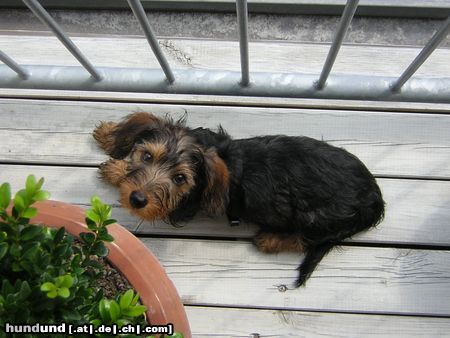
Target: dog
pixel 305 195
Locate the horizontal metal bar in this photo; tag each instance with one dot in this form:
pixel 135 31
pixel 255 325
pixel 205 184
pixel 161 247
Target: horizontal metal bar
pixel 46 19
pixel 195 81
pixel 346 19
pixel 242 16
pixel 13 65
pixel 423 55
pixel 139 12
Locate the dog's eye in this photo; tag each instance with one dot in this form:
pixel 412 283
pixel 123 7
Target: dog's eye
pixel 147 157
pixel 179 179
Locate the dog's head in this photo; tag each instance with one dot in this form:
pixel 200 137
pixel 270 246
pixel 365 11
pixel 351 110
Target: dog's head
pixel 171 174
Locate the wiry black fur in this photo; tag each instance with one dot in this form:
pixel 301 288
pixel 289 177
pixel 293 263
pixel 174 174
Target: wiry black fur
pixel 294 186
pixel 299 186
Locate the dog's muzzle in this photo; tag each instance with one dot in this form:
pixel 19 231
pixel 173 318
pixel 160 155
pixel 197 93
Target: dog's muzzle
pixel 138 200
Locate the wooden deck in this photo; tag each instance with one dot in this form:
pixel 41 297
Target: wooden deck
pixel 391 281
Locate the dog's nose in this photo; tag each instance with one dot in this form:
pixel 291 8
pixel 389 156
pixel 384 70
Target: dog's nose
pixel 138 200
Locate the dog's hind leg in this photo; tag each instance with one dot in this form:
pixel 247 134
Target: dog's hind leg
pixel 313 256
pixel 272 242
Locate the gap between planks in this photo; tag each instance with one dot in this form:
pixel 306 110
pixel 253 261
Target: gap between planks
pixel 213 100
pixel 406 221
pixel 390 144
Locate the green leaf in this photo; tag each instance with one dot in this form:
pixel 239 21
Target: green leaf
pixel 103 309
pixel 41 196
pixel 5 195
pixel 15 267
pixel 63 292
pixel 31 251
pixel 15 249
pixel 126 299
pixel 3 236
pixel 30 232
pixel 39 184
pixel 106 238
pixel 96 322
pixel 135 299
pixel 64 281
pixel 25 290
pixel 92 215
pixel 30 185
pixel 109 221
pixel 96 202
pixel 95 264
pixel 106 212
pixel 99 249
pixel 176 335
pixel 90 224
pixel 48 286
pixel 29 213
pixel 19 202
pixel 122 322
pixel 3 249
pixel 87 237
pixel 135 311
pixel 52 294
pixel 59 235
pixel 114 311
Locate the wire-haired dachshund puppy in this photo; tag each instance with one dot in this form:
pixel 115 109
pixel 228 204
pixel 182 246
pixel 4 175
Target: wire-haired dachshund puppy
pixel 304 194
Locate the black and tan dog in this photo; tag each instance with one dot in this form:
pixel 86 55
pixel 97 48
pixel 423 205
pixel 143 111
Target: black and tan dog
pixel 304 194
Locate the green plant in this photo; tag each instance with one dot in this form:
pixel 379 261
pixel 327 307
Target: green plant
pixel 45 278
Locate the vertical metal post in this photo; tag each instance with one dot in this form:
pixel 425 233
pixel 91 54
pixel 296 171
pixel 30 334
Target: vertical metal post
pixel 242 16
pixel 346 18
pixel 139 13
pixel 423 55
pixel 43 15
pixel 13 65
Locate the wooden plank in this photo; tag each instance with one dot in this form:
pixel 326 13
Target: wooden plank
pixel 233 322
pixel 390 144
pixel 417 211
pixel 224 55
pixel 217 100
pixel 414 8
pixel 354 279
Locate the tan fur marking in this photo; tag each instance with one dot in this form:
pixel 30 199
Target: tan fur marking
pixel 113 171
pixel 141 118
pixel 274 243
pixel 157 150
pixel 218 183
pixel 103 134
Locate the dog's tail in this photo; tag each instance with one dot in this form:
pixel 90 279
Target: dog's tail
pixel 313 256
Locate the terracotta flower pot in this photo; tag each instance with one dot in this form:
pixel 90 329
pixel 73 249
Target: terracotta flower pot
pixel 132 258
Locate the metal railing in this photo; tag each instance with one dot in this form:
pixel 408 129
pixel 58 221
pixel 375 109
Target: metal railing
pixel 196 81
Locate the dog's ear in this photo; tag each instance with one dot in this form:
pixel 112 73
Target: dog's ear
pixel 131 130
pixel 215 195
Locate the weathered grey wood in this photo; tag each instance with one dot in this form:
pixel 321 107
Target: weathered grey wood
pixel 224 55
pixel 418 211
pixel 414 8
pixel 353 279
pixel 215 100
pixel 233 322
pixel 390 144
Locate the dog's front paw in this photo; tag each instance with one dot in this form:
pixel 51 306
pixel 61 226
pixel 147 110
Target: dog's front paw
pixel 113 171
pixel 104 135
